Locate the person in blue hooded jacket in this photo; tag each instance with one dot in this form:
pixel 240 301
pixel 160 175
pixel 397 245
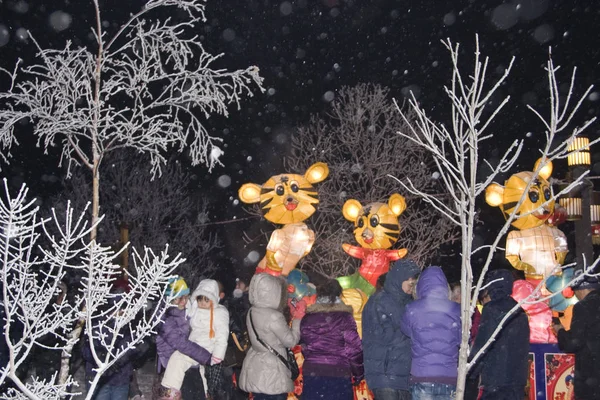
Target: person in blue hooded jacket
pixel 504 367
pixel 386 349
pixel 433 324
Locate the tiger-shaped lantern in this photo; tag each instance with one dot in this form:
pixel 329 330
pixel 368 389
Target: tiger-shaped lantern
pixel 376 229
pixel 286 199
pixel 536 248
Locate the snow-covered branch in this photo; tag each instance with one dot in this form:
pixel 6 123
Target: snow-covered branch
pixel 35 259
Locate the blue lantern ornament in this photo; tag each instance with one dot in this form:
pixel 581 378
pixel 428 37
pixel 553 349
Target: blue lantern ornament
pixel 299 285
pixel 558 283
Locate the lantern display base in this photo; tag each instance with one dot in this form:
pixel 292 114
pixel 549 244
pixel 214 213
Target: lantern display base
pixel 551 373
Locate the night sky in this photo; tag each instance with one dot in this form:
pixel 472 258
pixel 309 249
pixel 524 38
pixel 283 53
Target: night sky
pixel 309 49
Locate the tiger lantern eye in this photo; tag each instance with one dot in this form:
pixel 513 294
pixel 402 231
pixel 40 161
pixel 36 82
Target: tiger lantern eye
pixel 374 221
pixel 534 196
pixel 294 188
pixel 547 194
pixel 279 190
pixel 361 223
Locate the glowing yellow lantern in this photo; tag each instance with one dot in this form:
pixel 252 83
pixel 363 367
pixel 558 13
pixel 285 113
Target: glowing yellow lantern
pixel 535 248
pixel 286 199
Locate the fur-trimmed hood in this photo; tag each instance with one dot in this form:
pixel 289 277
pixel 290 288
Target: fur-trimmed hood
pixel 328 307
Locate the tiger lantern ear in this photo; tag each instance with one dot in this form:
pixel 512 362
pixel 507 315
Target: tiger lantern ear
pixel 351 209
pixel 397 204
pixel 317 172
pixel 494 194
pixel 546 169
pixel 249 193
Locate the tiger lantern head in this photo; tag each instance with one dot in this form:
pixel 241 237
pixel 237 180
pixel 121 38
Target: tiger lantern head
pixel 506 197
pixel 287 198
pixel 376 225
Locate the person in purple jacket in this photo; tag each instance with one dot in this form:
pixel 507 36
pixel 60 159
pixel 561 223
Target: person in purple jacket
pixel 432 322
pixel 332 349
pixel 173 335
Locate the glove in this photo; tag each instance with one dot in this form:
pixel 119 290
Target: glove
pixel 214 360
pixel 297 310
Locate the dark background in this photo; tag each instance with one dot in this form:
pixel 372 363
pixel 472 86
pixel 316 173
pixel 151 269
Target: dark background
pixel 309 49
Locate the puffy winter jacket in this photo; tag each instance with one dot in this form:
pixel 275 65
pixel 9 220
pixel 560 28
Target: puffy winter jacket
pixel 583 339
pixel 505 360
pixel 330 342
pixel 200 320
pixel 173 335
pixel 433 324
pixel 262 371
pixel 386 348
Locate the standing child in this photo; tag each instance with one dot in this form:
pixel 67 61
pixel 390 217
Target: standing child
pixel 210 329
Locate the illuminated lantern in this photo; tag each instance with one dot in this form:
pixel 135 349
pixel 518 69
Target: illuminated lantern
pixel 288 200
pixel 539 314
pixel 356 299
pixel 299 286
pixel 376 229
pixel 536 248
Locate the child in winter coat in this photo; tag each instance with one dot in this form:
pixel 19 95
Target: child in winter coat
pixel 173 335
pixel 209 322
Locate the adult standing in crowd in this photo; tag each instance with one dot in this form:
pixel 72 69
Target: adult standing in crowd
pixel 583 338
pixel 433 324
pixel 263 373
pixel 387 350
pixel 504 367
pixel 173 335
pixel 333 356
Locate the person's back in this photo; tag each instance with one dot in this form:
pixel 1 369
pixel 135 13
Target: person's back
pixel 433 324
pixel 332 349
pixel 583 339
pixel 387 351
pixel 504 367
pixel 263 373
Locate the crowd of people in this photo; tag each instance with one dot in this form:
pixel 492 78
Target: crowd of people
pixel 218 348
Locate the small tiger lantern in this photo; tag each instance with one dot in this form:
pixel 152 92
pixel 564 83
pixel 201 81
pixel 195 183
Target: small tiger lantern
pixel 286 199
pixel 536 248
pixel 376 229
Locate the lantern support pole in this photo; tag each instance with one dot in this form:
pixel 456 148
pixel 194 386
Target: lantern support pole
pixel 583 235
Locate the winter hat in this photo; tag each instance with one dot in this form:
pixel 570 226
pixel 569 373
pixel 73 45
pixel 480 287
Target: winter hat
pixel 499 283
pixel 177 288
pixel 583 282
pixel 209 288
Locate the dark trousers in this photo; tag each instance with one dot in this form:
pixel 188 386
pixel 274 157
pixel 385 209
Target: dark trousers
pixel 502 393
pixel 327 387
pixel 260 396
pixel 192 387
pixel 392 394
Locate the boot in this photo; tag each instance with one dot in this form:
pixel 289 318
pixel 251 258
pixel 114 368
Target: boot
pixel 166 393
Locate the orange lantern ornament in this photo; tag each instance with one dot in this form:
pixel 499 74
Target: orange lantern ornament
pixel 286 199
pixel 536 248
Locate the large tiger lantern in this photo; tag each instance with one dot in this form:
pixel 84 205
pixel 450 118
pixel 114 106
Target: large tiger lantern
pixel 536 248
pixel 376 229
pixel 288 200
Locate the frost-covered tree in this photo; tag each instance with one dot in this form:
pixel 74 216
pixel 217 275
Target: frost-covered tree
pixel 155 212
pixel 146 86
pixel 358 141
pixel 456 150
pixel 36 255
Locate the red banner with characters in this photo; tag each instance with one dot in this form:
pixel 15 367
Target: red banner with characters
pixel 551 373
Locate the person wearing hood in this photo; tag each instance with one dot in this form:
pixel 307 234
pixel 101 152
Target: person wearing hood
pixel 333 355
pixel 209 322
pixel 432 322
pixel 263 373
pixel 386 349
pixel 583 338
pixel 503 368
